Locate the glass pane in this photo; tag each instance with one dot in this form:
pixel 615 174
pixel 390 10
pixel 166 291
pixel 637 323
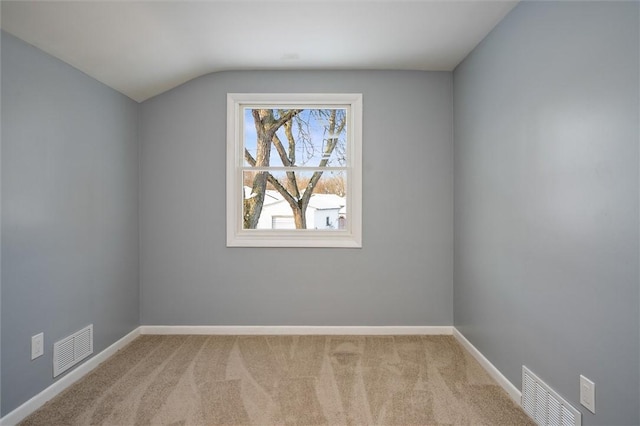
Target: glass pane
pixel 270 207
pixel 309 137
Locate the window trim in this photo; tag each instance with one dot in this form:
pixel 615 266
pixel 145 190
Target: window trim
pixel 239 237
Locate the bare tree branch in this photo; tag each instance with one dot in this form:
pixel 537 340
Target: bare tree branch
pixel 288 115
pixel 331 144
pixel 249 158
pixel 288 126
pixel 282 190
pixel 281 151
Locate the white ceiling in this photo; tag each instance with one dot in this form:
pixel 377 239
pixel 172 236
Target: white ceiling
pixel 143 48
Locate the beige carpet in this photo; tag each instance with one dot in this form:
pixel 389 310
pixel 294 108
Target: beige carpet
pixel 285 380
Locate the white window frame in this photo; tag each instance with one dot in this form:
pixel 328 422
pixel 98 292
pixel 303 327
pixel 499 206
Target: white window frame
pixel 239 237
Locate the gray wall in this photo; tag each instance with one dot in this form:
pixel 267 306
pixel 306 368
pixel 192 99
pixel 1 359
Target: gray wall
pixel 1 35
pixel 69 213
pixel 401 276
pixel 546 200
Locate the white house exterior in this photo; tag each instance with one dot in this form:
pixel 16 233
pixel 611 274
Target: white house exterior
pixel 325 211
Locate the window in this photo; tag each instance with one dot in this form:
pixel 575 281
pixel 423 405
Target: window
pixel 294 175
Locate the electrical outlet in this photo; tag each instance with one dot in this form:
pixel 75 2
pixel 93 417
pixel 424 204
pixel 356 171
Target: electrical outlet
pixel 37 345
pixel 588 394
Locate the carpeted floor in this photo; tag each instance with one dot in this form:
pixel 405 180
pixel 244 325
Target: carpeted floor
pixel 285 380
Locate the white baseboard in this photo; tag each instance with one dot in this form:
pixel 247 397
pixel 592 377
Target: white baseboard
pixel 295 330
pixel 513 391
pixel 20 413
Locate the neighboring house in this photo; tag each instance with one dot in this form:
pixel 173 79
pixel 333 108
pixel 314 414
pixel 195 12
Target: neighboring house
pixel 330 211
pixel 325 211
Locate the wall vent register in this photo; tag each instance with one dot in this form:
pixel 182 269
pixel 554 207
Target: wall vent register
pixel 72 349
pixel 545 406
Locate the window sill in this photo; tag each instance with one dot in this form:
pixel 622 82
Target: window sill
pixel 297 238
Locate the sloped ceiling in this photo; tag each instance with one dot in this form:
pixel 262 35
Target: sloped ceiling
pixel 143 48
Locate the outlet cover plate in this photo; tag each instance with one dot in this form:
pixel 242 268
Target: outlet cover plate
pixel 588 394
pixel 37 345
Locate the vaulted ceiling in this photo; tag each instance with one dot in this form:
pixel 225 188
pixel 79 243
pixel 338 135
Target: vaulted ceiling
pixel 143 48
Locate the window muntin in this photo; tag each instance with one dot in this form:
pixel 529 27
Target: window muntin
pixel 294 155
